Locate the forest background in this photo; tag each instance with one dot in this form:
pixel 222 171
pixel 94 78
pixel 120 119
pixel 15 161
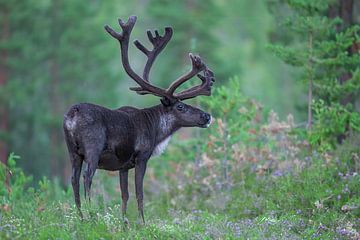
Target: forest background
pixel 56 53
pixel 286 98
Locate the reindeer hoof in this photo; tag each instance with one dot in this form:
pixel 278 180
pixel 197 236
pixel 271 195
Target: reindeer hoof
pixel 126 221
pixel 140 222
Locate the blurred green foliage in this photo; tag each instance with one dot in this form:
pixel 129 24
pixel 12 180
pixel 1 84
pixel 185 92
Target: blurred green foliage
pixel 58 54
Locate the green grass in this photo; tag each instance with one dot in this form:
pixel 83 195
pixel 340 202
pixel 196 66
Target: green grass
pixel 319 202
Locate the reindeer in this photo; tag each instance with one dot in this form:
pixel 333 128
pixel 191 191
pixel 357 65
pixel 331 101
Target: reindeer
pixel 125 138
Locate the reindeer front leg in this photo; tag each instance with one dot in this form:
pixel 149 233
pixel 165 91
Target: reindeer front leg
pixel 123 174
pixel 140 169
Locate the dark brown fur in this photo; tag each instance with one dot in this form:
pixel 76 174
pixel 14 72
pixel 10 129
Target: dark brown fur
pixel 121 139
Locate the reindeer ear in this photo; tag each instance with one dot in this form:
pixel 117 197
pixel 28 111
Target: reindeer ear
pixel 166 101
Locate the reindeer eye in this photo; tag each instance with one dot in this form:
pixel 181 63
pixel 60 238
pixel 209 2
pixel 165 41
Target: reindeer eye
pixel 180 107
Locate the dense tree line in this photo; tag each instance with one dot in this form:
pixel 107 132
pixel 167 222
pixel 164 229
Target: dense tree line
pixel 55 53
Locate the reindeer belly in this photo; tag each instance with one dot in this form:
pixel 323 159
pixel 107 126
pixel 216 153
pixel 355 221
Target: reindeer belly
pixel 111 161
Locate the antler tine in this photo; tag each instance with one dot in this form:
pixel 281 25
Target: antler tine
pixel 123 38
pixel 159 43
pixel 203 89
pixel 197 66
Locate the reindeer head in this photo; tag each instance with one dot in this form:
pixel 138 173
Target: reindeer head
pixel 186 115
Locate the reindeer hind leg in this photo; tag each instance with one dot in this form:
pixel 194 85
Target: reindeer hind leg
pixel 75 179
pixel 92 156
pixel 76 164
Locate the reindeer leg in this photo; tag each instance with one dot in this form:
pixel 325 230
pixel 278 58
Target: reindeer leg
pixel 92 156
pixel 140 169
pixel 76 164
pixel 89 174
pixel 123 175
pixel 75 178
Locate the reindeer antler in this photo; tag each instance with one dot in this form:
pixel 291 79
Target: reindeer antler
pixel 123 38
pixel 159 43
pixel 197 66
pixel 204 88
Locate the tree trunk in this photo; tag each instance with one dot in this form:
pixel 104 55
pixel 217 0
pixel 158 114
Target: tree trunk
pixel 311 79
pixel 56 166
pixel 4 114
pixel 54 135
pixel 344 10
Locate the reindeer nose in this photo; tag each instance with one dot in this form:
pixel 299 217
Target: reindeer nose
pixel 206 117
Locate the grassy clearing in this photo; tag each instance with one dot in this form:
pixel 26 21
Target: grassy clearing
pixel 320 202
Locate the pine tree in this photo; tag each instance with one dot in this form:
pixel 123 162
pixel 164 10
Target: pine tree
pixel 321 49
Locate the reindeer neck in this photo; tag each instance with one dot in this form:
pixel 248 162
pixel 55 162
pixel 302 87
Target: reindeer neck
pixel 162 120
